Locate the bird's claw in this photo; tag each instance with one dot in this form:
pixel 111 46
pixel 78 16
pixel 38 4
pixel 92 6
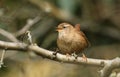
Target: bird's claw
pixel 84 57
pixel 75 55
pixel 54 54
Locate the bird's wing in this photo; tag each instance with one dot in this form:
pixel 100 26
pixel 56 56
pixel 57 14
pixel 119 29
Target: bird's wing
pixel 82 34
pixel 77 27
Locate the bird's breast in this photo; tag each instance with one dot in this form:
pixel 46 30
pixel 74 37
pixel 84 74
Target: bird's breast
pixel 71 43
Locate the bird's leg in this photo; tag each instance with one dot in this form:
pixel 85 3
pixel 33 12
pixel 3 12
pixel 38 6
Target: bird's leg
pixel 75 55
pixel 84 57
pixel 68 56
pixel 54 54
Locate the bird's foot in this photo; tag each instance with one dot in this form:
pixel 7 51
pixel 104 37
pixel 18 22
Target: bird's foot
pixel 54 54
pixel 68 56
pixel 84 57
pixel 75 55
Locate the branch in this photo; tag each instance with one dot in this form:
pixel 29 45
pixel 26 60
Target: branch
pixel 108 65
pixel 50 54
pixel 10 36
pixel 29 24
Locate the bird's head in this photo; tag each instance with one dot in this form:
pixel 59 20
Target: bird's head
pixel 64 27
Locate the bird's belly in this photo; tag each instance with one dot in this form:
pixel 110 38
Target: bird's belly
pixel 69 47
pixel 64 48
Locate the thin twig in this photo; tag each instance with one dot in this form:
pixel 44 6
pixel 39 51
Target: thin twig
pixel 8 35
pixel 2 57
pixel 29 24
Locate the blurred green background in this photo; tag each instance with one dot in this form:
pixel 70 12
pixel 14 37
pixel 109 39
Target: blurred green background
pixel 99 20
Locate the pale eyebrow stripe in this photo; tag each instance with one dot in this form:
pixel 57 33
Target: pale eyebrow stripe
pixel 66 25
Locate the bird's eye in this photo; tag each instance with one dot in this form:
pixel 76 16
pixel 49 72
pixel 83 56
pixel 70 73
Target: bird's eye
pixel 64 27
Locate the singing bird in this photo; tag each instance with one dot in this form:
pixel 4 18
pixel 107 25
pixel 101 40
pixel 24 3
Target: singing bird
pixel 71 39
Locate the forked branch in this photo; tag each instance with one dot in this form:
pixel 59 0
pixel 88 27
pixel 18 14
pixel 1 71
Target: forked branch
pixel 108 65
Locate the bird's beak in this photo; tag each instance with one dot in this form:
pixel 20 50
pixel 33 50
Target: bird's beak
pixel 58 29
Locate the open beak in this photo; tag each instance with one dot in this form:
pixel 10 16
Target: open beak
pixel 58 29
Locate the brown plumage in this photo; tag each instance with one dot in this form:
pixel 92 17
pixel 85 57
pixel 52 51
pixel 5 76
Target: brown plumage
pixel 71 39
